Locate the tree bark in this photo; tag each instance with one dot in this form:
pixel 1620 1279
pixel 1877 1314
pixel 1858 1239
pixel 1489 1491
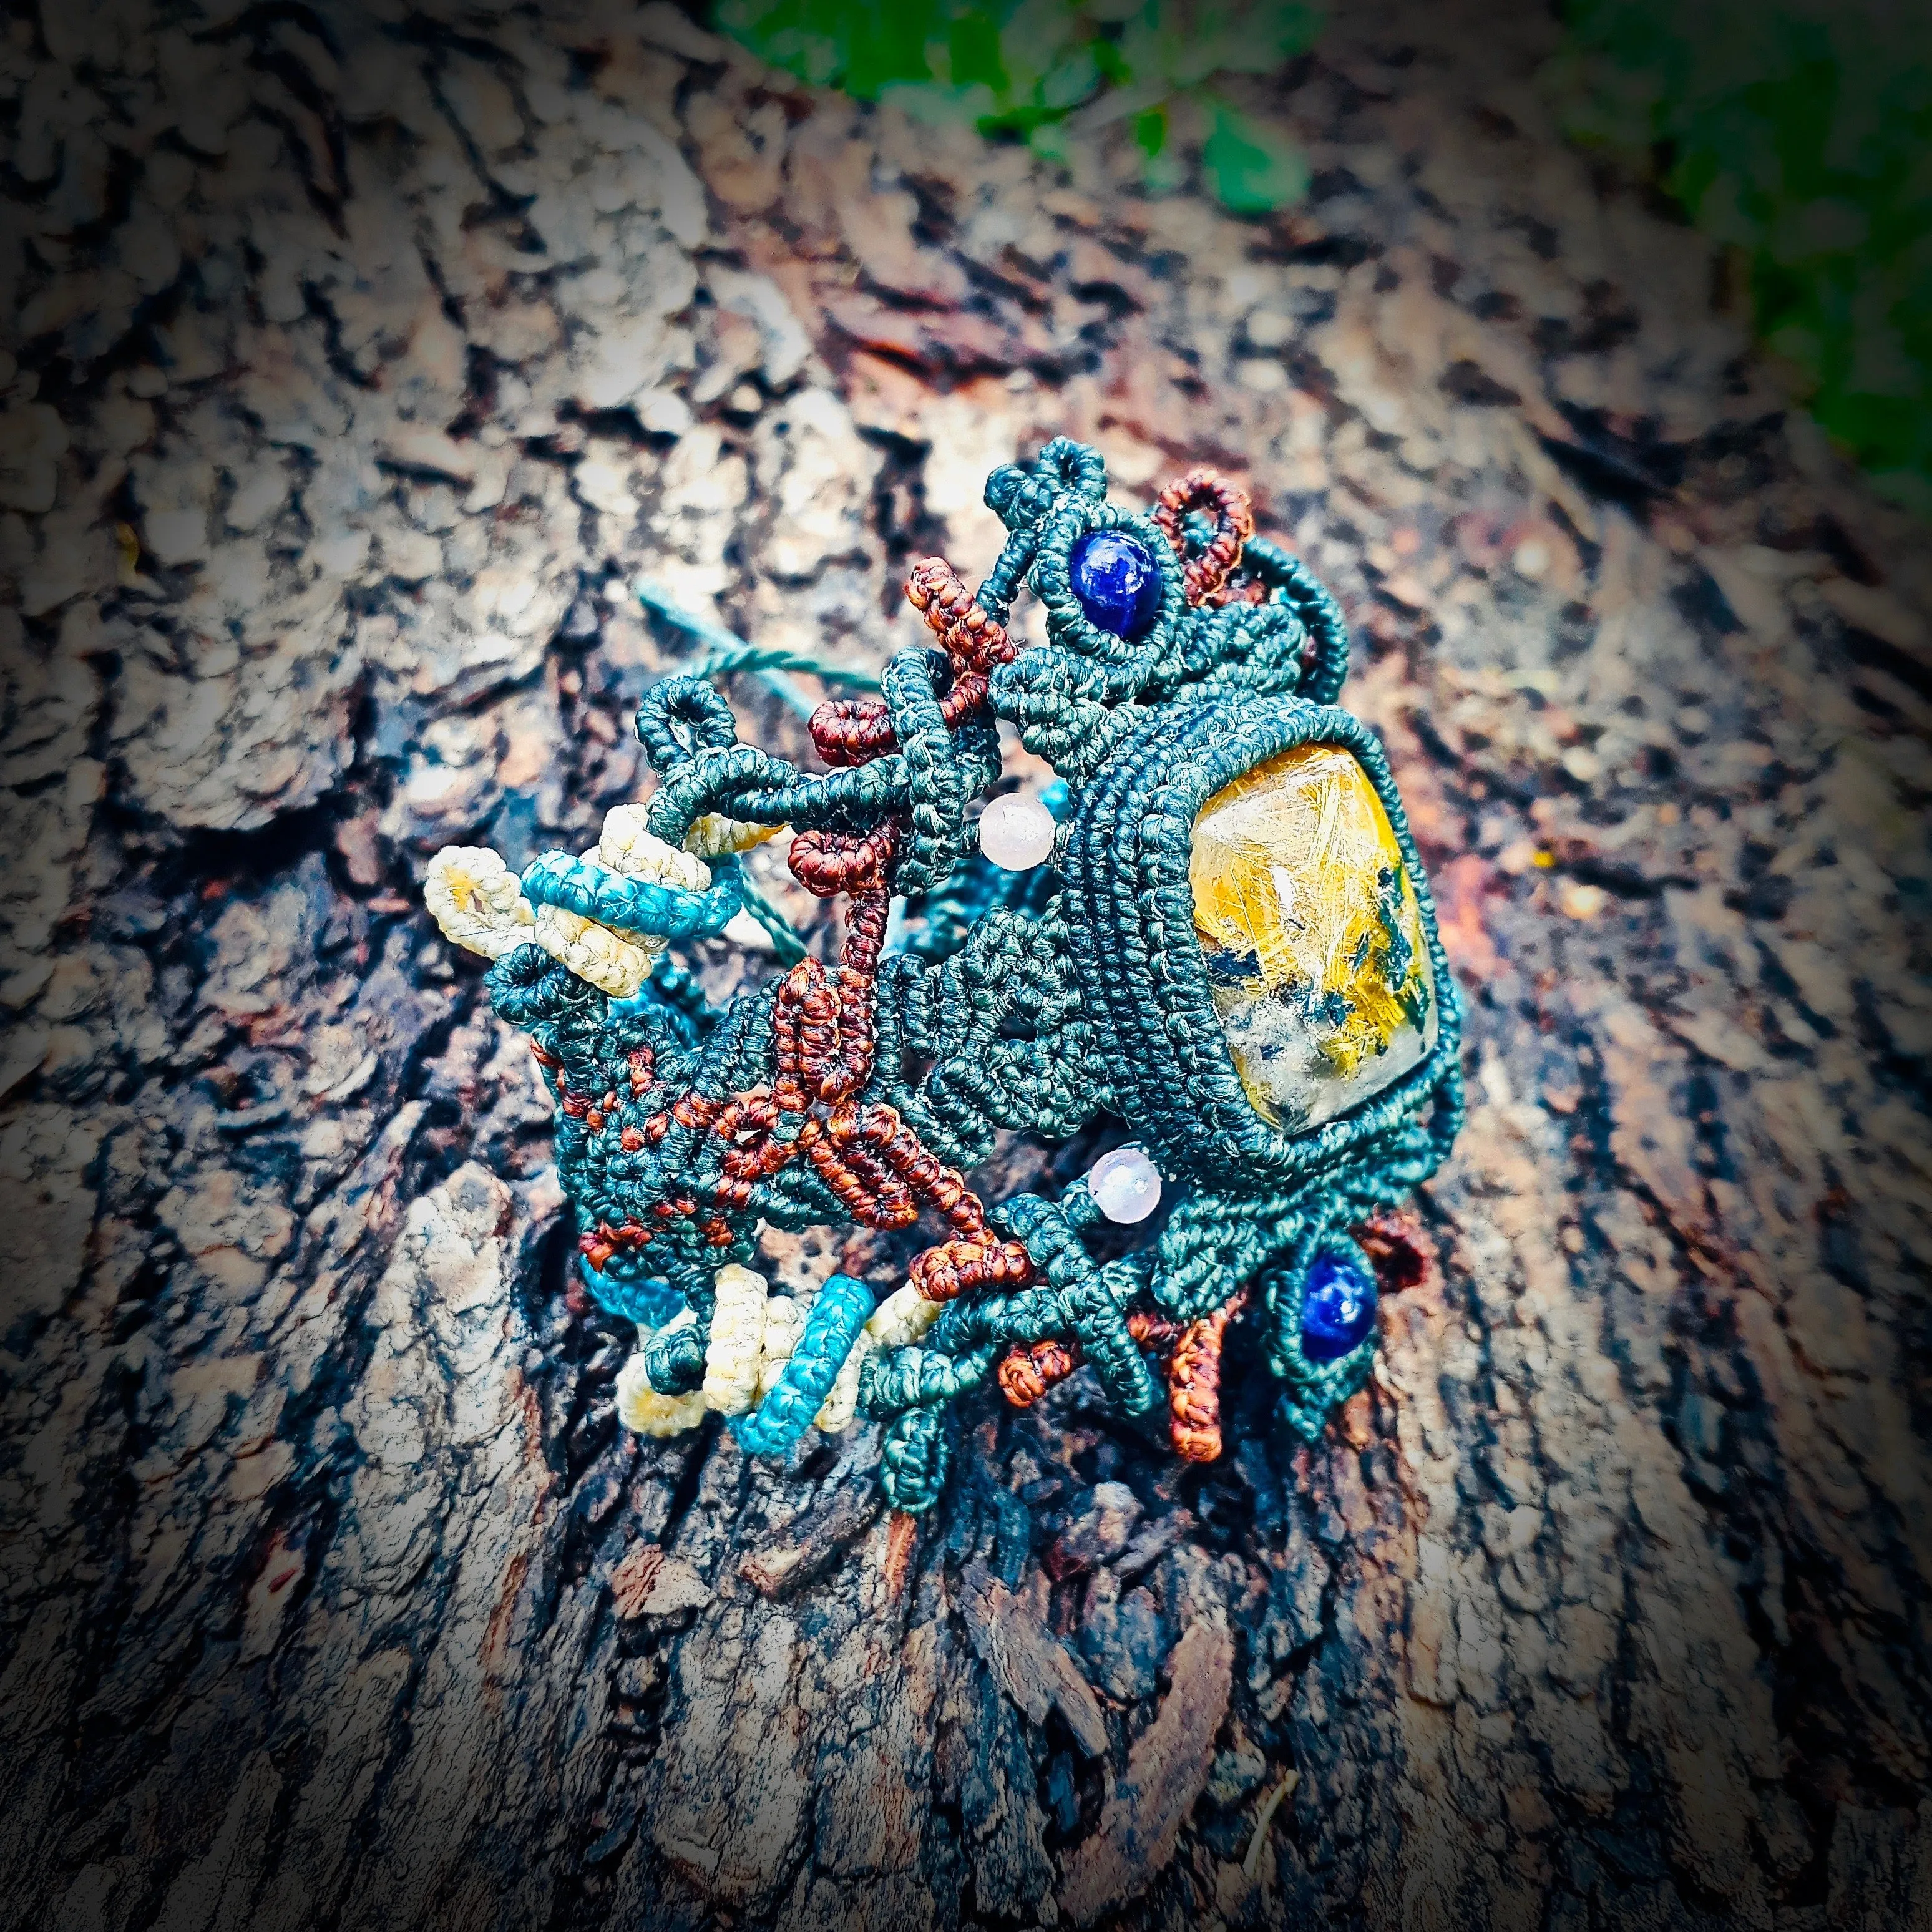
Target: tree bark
pixel 362 356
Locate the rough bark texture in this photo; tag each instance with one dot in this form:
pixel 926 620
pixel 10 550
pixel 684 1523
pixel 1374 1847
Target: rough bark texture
pixel 362 355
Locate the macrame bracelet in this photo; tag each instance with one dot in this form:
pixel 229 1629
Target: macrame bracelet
pixel 1232 951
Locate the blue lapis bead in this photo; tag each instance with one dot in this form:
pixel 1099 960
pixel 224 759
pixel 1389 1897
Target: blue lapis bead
pixel 1118 583
pixel 1338 1307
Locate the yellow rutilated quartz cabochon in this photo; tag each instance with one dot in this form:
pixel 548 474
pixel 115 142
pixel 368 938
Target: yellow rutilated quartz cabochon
pixel 1312 936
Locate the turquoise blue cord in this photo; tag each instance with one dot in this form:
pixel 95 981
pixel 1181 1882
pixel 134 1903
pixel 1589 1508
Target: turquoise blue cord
pixel 832 1325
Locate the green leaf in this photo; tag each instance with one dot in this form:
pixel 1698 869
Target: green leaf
pixel 975 56
pixel 1801 134
pixel 1252 169
pixel 931 105
pixel 1259 39
pixel 1048 140
pixel 1165 172
pixel 1151 131
pixel 1070 80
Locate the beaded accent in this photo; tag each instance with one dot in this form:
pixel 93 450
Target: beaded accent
pixel 863 1090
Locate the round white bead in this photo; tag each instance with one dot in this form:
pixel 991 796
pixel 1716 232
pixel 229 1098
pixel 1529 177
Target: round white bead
pixel 1125 1185
pixel 1017 833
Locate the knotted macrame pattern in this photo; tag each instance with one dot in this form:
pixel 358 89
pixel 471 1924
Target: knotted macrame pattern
pixel 863 1091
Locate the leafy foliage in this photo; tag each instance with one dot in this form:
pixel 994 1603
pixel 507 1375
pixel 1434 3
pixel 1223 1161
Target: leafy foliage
pixel 1801 135
pixel 1039 70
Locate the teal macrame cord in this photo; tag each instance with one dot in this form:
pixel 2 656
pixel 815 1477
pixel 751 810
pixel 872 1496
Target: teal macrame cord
pixel 1190 669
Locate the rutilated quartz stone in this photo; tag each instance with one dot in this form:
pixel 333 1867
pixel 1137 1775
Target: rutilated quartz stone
pixel 1312 936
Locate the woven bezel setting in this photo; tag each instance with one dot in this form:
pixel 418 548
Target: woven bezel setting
pixel 1140 963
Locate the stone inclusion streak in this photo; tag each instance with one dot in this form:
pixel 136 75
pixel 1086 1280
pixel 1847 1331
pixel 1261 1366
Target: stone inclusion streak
pixel 1308 925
